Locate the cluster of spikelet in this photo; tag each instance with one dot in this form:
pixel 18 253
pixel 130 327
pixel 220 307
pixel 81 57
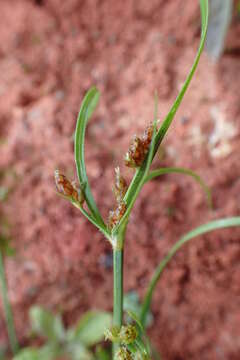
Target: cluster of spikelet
pixel 134 158
pixel 126 335
pixel 139 148
pixel 119 190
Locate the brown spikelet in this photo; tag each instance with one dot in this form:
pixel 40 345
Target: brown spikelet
pixel 139 148
pixel 128 334
pixel 123 354
pixel 116 215
pixel 120 186
pixel 65 187
pixel 147 136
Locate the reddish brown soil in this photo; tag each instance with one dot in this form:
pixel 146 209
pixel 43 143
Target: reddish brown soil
pixel 50 54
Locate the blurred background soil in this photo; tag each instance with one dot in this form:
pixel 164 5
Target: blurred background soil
pixel 51 52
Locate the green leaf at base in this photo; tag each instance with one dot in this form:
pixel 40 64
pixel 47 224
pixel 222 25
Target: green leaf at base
pixel 47 325
pixel 47 352
pixel 90 329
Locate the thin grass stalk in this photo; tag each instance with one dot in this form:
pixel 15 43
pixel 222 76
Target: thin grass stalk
pixel 117 291
pixel 7 309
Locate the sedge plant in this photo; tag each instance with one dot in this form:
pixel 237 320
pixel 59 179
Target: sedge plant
pixel 129 340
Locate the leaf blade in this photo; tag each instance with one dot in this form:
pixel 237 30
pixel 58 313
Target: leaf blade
pixel 203 229
pixel 169 118
pixel 89 103
pixel 133 189
pixel 45 324
pixel 195 176
pixel 90 329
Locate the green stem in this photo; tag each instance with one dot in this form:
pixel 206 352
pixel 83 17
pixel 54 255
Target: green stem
pixel 7 309
pixel 117 290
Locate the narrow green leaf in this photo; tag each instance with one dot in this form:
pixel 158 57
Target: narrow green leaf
pixel 169 118
pixel 203 229
pixel 7 308
pixel 136 183
pixel 90 329
pixel 45 324
pixel 142 336
pixel 138 350
pixel 143 349
pixel 134 316
pixel 5 246
pixel 89 103
pixel 164 171
pixel 131 303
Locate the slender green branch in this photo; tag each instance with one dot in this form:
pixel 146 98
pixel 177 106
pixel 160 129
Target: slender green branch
pixel 104 230
pixel 7 309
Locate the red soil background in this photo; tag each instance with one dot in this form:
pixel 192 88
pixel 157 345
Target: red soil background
pixel 51 52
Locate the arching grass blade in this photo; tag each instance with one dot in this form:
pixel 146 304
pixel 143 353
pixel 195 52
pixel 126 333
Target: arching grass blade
pixel 89 103
pixel 133 189
pixel 203 229
pixel 164 171
pixel 169 118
